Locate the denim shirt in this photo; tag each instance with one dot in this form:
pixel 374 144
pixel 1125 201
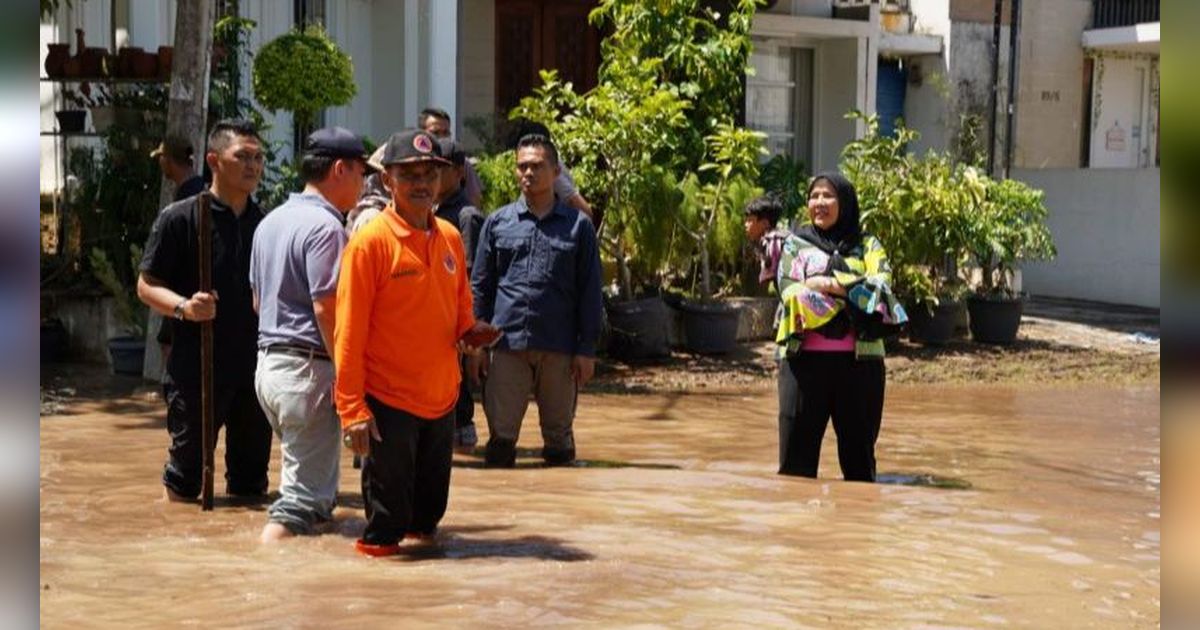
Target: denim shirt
pixel 539 280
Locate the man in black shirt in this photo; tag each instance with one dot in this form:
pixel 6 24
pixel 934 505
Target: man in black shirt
pixel 169 284
pixel 454 207
pixel 174 155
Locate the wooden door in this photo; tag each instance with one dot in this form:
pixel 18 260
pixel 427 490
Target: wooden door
pixel 532 35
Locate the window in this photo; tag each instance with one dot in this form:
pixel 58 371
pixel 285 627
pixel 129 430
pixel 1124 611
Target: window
pixel 779 98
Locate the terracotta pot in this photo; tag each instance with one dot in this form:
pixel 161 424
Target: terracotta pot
pixel 166 56
pixel 71 67
pixel 125 60
pixel 92 62
pixel 145 65
pixel 58 55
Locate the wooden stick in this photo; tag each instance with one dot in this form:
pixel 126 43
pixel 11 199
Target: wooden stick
pixel 204 227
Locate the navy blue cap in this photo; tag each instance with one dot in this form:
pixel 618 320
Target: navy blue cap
pixel 335 142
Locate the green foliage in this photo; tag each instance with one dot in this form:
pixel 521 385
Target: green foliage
pixel 130 311
pixel 921 208
pixel 303 72
pixel 935 215
pixel 714 213
pixel 498 174
pixel 787 179
pixel 618 138
pixel 115 194
pixel 704 56
pixel 670 84
pixel 1009 227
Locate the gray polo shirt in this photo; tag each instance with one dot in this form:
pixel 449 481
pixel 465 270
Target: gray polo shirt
pixel 297 249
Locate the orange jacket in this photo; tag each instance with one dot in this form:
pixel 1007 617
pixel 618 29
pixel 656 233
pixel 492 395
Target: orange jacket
pixel 403 300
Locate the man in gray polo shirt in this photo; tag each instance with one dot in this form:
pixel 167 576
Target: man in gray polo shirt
pixel 293 273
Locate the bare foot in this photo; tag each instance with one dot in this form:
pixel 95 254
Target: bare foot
pixel 274 532
pixel 172 497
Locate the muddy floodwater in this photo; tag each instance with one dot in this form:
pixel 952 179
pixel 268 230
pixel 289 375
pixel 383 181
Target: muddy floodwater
pixel 1020 507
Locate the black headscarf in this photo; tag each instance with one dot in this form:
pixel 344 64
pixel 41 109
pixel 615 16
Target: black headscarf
pixel 846 234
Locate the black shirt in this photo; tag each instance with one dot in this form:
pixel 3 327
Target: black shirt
pixel 171 256
pixel 466 218
pixel 189 188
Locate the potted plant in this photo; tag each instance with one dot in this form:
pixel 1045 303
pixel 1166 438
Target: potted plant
pixel 602 134
pixel 1009 227
pixel 72 119
pixel 712 219
pixel 127 349
pixel 302 72
pixel 920 209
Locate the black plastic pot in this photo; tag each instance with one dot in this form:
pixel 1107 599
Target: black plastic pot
pixel 709 328
pixel 995 319
pixel 54 340
pixel 71 121
pixel 936 327
pixel 638 329
pixel 128 354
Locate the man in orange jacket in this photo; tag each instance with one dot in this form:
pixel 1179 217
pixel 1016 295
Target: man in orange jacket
pixel 403 307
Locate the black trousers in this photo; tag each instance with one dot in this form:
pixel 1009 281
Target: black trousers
pixel 814 386
pixel 247 438
pixel 406 476
pixel 464 409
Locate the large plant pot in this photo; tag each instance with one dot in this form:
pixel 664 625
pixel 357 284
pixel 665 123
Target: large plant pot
pixel 995 319
pixel 54 340
pixel 936 327
pixel 638 329
pixel 710 328
pixel 128 354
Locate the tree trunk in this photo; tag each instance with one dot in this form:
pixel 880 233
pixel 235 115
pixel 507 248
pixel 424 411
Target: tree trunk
pixel 187 116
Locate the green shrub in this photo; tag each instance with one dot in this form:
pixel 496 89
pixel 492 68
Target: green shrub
pixel 498 173
pixel 1009 227
pixel 303 72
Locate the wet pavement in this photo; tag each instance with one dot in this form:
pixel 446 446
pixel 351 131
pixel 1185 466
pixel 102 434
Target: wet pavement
pixel 1028 507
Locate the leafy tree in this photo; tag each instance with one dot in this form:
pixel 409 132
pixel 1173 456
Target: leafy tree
pixel 303 72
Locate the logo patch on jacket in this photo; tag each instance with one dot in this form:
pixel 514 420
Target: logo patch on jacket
pixel 451 265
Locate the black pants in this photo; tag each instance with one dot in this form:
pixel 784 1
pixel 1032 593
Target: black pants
pixel 247 438
pixel 464 409
pixel 816 385
pixel 406 476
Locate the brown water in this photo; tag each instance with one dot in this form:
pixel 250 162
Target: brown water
pixel 676 520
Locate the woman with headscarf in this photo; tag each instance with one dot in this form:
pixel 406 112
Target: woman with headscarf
pixel 837 306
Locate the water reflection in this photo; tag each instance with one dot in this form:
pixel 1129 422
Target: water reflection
pixel 1032 507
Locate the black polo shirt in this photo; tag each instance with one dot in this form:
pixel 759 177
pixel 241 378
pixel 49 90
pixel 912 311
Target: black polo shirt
pixel 171 256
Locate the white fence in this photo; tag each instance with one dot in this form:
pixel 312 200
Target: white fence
pixel 1105 223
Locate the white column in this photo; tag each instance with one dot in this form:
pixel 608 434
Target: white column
pixel 443 60
pixel 412 60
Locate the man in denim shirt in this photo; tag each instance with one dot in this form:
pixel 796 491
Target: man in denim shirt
pixel 536 277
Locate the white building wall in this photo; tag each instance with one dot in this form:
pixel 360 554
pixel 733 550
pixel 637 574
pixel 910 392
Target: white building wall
pixel 837 89
pixel 927 100
pixel 346 21
pixel 477 67
pixel 274 18
pixel 1105 223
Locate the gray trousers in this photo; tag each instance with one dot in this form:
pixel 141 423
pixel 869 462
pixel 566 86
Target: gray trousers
pixel 296 394
pixel 512 376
